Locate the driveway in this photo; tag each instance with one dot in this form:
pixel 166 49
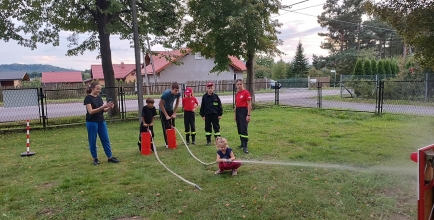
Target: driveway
pixel 292 97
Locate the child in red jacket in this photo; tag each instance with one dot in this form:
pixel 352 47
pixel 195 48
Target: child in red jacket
pixel 189 103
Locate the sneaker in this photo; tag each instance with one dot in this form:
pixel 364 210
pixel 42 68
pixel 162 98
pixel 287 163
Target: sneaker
pixel 208 143
pixel 234 172
pixel 241 146
pixel 96 161
pixel 218 172
pixel 245 150
pixel 167 146
pixel 188 143
pixel 193 143
pixel 113 160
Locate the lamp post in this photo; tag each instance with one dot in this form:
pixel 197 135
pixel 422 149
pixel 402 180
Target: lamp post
pixel 334 83
pixel 137 58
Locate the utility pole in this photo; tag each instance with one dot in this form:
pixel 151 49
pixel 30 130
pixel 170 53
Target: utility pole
pixel 137 57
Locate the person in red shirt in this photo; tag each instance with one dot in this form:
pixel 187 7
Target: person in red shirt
pixel 189 103
pixel 243 107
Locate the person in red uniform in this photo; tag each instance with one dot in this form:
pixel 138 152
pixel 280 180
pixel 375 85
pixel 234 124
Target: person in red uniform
pixel 243 107
pixel 189 103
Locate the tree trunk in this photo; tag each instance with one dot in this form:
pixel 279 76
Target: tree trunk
pixel 250 76
pixel 107 67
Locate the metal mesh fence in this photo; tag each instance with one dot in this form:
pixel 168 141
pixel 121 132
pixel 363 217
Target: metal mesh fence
pixel 65 106
pixel 19 105
pixel 408 97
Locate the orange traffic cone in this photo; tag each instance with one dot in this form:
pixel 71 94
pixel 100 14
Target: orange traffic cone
pixel 171 138
pixel 146 143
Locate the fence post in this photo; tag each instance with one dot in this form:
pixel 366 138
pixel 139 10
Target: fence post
pixel 43 116
pixel 276 92
pixel 426 87
pixel 340 83
pixel 121 101
pixel 319 104
pixel 380 97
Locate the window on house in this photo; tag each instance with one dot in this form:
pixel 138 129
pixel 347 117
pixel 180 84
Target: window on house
pixel 197 56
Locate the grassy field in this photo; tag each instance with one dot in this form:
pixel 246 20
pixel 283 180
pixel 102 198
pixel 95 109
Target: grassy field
pixel 373 101
pixel 348 166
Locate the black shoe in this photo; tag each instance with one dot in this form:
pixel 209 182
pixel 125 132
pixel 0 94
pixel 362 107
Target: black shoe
pixel 96 161
pixel 245 150
pixel 193 143
pixel 208 143
pixel 113 160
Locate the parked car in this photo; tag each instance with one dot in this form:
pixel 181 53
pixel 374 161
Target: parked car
pixel 275 85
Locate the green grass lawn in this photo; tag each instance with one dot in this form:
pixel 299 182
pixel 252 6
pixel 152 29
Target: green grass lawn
pixel 60 181
pixel 373 101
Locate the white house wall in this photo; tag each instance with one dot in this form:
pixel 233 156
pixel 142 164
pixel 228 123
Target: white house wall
pixel 193 69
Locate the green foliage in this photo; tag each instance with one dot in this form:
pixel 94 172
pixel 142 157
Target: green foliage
pixel 374 66
pixel 381 70
pixel 34 83
pixel 341 36
pixel 288 68
pixel 359 69
pixel 263 67
pixel 237 28
pixel 367 67
pixel 412 20
pixel 387 67
pixel 345 62
pixel 299 64
pixel 266 61
pixel 395 67
pixel 279 70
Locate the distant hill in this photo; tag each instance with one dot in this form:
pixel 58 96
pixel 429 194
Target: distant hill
pixel 30 68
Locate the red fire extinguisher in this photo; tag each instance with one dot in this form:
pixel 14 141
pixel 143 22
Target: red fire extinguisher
pixel 171 137
pixel 146 143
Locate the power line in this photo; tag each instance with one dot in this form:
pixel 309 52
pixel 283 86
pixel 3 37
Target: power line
pixel 299 9
pixel 348 22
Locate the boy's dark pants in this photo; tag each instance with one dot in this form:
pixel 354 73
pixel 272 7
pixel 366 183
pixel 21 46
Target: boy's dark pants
pixel 212 122
pixel 166 124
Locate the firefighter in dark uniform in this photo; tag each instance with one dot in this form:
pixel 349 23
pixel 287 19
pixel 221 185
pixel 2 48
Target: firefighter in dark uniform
pixel 211 111
pixel 243 107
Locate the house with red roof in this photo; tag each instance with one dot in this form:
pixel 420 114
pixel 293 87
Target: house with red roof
pixel 177 65
pixel 124 72
pixel 61 77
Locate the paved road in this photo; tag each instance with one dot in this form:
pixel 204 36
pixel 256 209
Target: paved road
pixel 292 97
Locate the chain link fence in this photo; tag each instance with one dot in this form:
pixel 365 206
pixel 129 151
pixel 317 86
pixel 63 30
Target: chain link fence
pixel 48 107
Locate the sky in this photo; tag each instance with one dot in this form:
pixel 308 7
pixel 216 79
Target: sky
pixel 296 27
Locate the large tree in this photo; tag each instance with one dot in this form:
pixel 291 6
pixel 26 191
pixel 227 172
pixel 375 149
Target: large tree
pixel 240 28
pixel 343 21
pixel 99 19
pixel 413 21
pixel 299 63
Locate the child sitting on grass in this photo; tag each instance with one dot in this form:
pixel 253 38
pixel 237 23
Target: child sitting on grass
pixel 225 157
